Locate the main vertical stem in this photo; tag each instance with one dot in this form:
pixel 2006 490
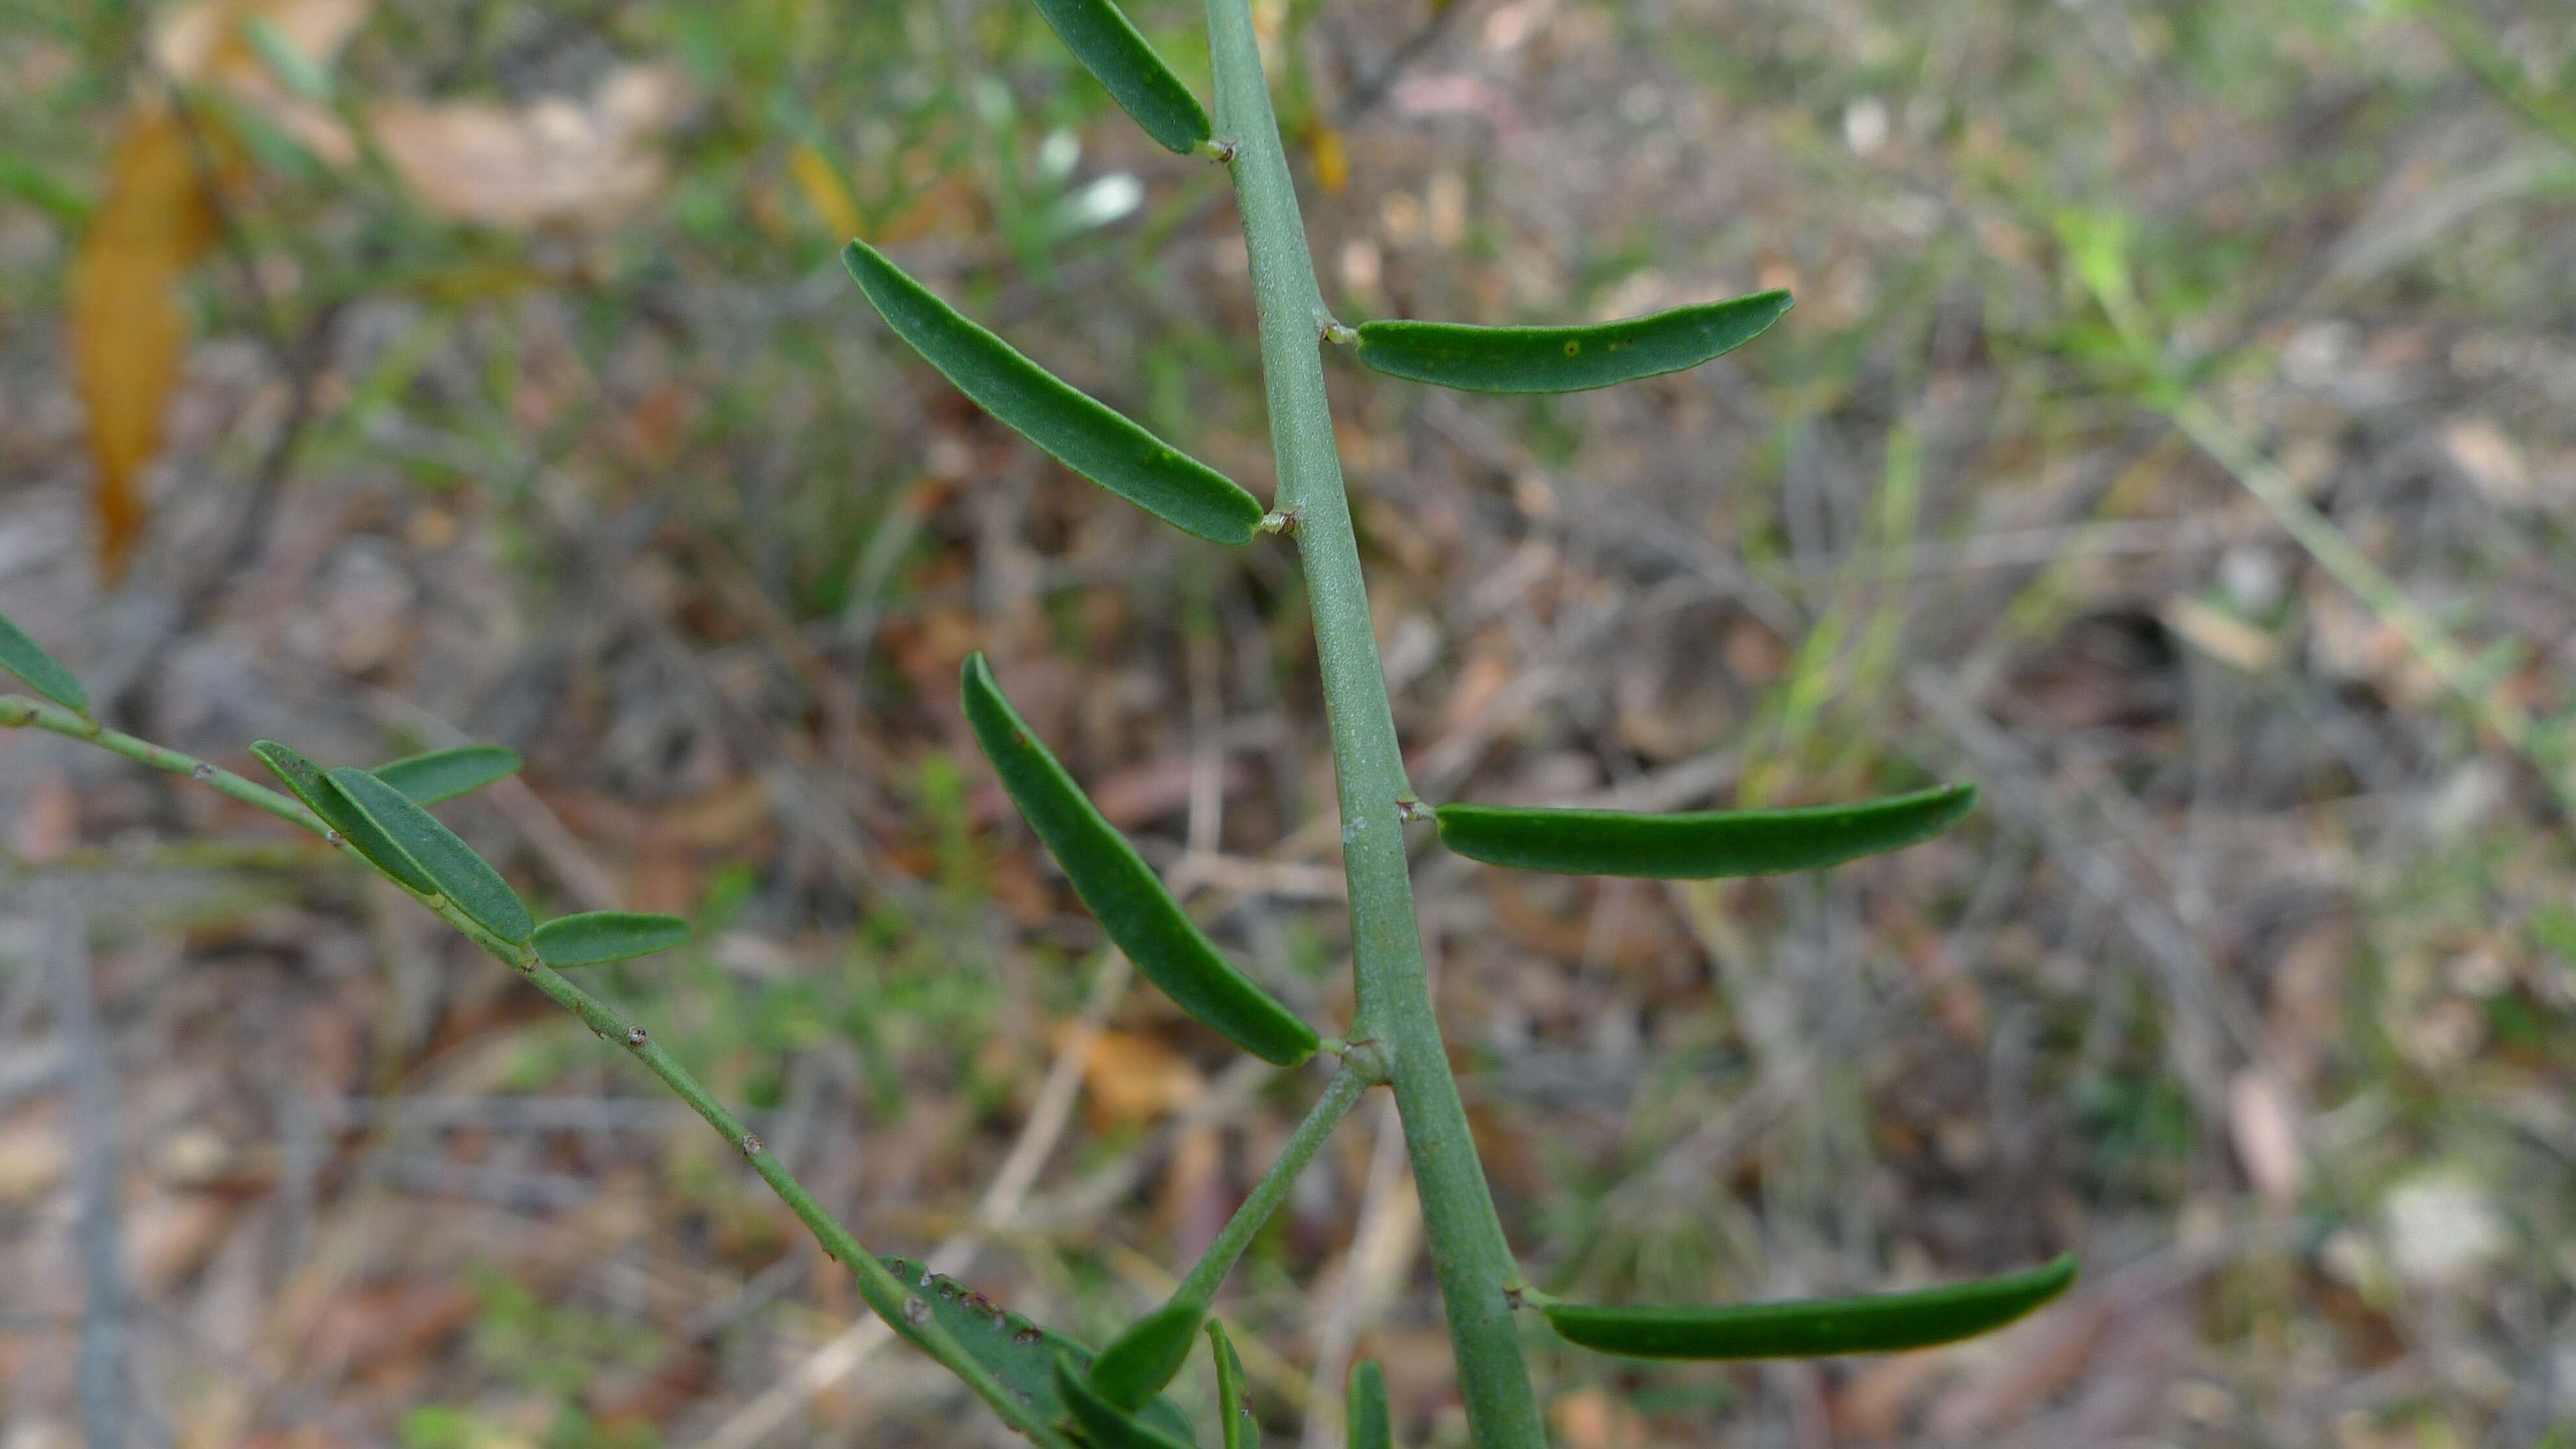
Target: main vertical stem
pixel 1468 1252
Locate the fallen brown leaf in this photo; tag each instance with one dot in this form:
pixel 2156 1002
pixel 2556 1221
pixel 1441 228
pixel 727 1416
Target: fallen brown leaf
pixel 554 163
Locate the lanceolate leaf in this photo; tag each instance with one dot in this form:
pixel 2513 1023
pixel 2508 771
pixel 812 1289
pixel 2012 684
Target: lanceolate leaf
pixel 446 774
pixel 1019 1353
pixel 1145 1355
pixel 303 779
pixel 462 876
pixel 1099 36
pixel 1090 439
pixel 1233 1407
pixel 1121 890
pixel 1104 1424
pixel 1698 845
pixel 1812 1328
pixel 40 670
pixel 1566 359
pixel 1371 1425
pixel 598 937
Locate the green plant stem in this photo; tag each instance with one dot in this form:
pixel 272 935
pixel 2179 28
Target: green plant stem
pixel 1199 1285
pixel 885 1294
pixel 20 712
pixel 1468 1251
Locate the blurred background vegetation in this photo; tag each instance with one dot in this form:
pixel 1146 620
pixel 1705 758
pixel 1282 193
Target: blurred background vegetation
pixel 2176 434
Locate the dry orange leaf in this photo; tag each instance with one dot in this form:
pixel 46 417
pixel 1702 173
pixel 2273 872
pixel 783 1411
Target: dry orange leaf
pixel 128 333
pixel 1128 1078
pixel 553 163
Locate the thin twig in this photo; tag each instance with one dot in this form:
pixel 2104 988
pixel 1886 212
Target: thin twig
pixel 103 1387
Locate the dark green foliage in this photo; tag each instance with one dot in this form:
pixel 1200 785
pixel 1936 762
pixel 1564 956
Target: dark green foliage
pixel 1101 37
pixel 1234 1409
pixel 598 937
pixel 1121 890
pixel 462 876
pixel 1372 1426
pixel 1019 1353
pixel 1079 432
pixel 304 780
pixel 1103 1423
pixel 1143 1358
pixel 426 779
pixel 1566 359
pixel 40 670
pixel 1698 845
pixel 1812 1328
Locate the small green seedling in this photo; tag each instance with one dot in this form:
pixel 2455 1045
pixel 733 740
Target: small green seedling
pixel 1049 1388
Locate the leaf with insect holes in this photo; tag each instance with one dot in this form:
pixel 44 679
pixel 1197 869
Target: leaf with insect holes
pixel 1121 890
pixel 1371 1425
pixel 1566 359
pixel 1108 45
pixel 1233 1408
pixel 598 937
pixel 1145 1354
pixel 1815 1327
pixel 39 670
pixel 426 779
pixel 1019 1353
pixel 463 877
pixel 1698 845
pixel 1077 431
pixel 304 780
pixel 1104 1424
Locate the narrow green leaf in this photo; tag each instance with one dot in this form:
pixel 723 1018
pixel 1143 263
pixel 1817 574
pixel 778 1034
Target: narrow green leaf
pixel 1085 436
pixel 598 937
pixel 1121 890
pixel 445 774
pixel 1104 1424
pixel 1019 1353
pixel 1566 359
pixel 1371 1425
pixel 462 876
pixel 1698 845
pixel 1100 36
pixel 1145 1355
pixel 1814 1328
pixel 303 779
pixel 41 671
pixel 1233 1406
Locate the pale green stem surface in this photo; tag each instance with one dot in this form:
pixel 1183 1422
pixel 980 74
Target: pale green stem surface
pixel 1468 1252
pixel 1199 1285
pixel 885 1294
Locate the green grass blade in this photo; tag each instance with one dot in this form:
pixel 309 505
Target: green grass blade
pixel 1077 431
pixel 1566 359
pixel 303 779
pixel 1101 37
pixel 1121 890
pixel 598 937
pixel 1104 1424
pixel 462 876
pixel 1233 1407
pixel 1814 1328
pixel 1019 1353
pixel 41 671
pixel 1698 845
pixel 1145 1355
pixel 1371 1425
pixel 445 774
